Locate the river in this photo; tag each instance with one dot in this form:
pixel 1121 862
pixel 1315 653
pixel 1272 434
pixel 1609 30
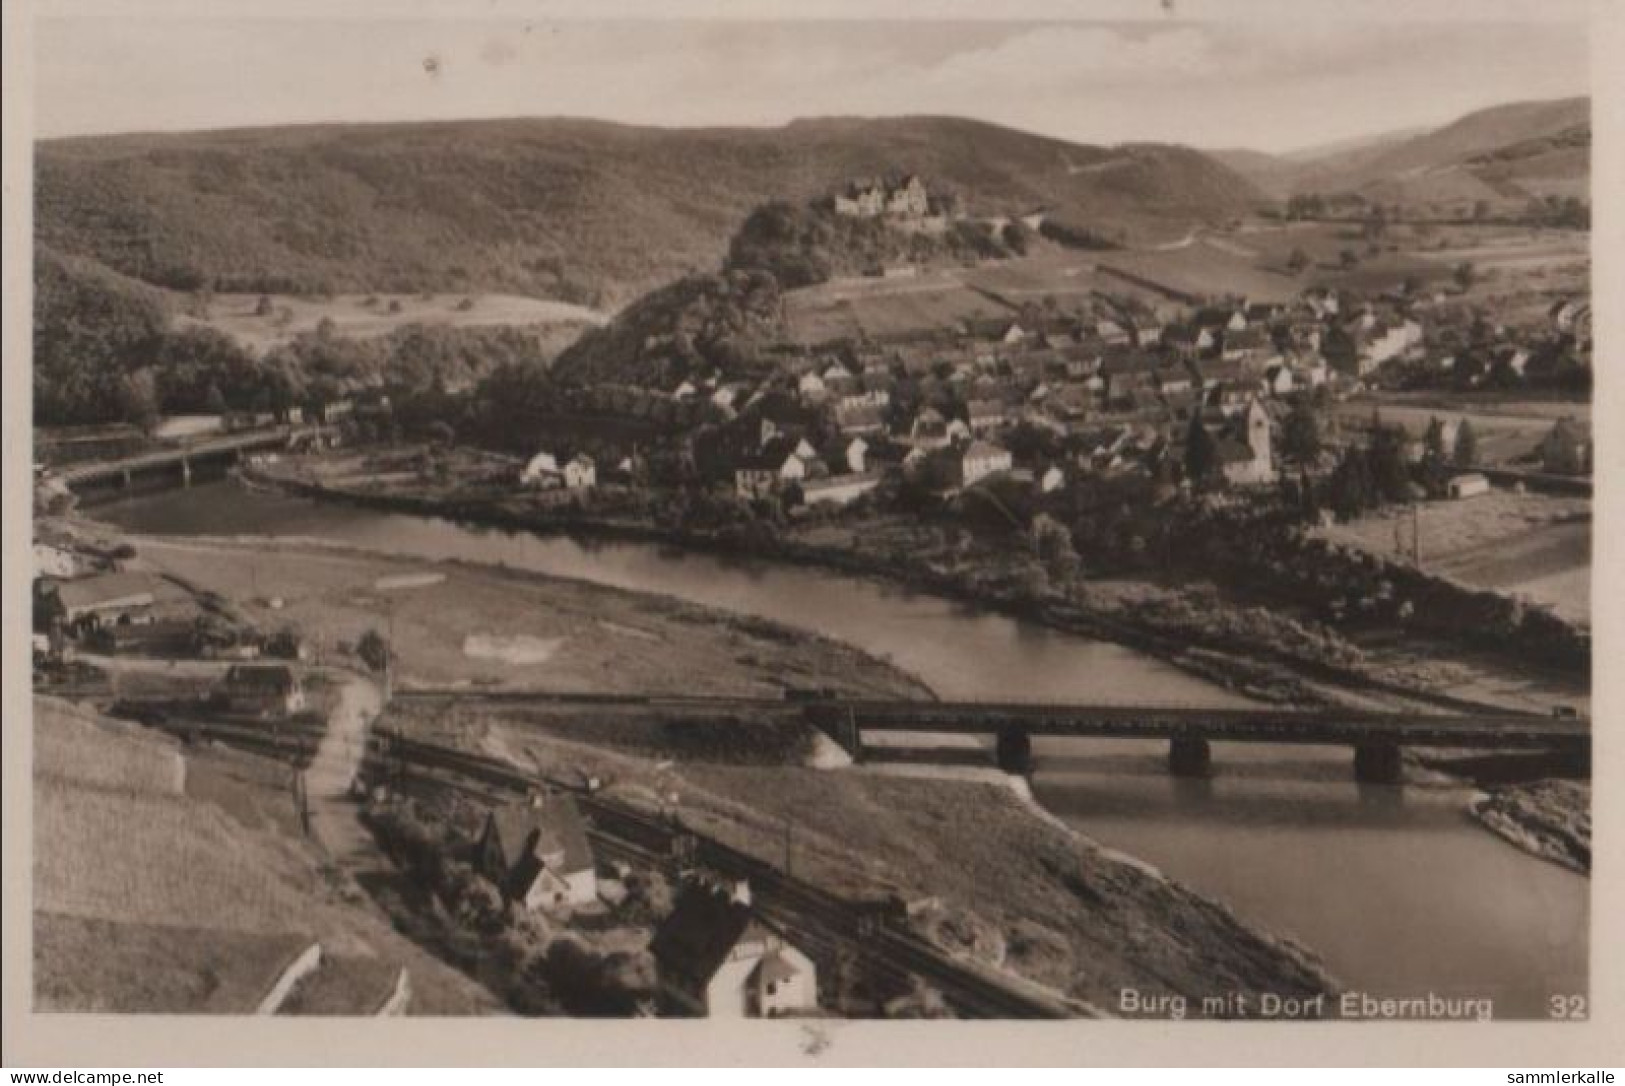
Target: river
pixel 1397 889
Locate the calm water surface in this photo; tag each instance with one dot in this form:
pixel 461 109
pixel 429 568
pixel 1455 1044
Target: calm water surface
pixel 1397 890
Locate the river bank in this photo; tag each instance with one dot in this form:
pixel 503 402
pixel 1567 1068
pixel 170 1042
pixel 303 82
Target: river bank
pixel 455 623
pixel 1087 920
pixel 1248 650
pixel 1551 819
pixel 1282 835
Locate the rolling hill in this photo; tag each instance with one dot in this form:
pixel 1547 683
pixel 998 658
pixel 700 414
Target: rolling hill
pixel 575 210
pixel 1507 153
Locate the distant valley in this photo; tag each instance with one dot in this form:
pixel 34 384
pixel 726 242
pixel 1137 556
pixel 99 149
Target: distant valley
pixel 1503 156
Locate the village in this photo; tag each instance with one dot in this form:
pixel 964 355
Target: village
pixel 1042 419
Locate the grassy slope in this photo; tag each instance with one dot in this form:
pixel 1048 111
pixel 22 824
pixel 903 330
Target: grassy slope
pixel 1506 151
pixel 149 899
pixel 571 209
pixel 1016 888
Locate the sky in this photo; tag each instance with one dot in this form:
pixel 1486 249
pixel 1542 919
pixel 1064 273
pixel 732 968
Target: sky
pixel 1271 78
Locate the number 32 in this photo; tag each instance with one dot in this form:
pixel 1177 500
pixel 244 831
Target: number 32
pixel 1566 1006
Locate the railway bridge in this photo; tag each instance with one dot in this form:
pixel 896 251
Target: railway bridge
pixel 1377 737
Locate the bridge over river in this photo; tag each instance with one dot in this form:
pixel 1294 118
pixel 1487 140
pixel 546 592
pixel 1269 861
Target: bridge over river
pixel 1377 737
pixel 180 458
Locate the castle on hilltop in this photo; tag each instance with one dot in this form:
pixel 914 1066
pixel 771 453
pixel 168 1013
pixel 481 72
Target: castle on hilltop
pixel 904 203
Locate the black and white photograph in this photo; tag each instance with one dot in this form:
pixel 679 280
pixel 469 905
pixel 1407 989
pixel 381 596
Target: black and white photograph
pixel 730 514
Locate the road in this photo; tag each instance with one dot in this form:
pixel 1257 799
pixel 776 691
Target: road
pixel 335 816
pixel 335 820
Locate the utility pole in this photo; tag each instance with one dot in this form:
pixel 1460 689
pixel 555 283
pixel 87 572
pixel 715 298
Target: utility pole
pixel 788 869
pixel 1416 535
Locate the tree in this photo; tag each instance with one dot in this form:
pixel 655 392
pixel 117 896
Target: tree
pixel 1351 491
pixel 1052 544
pixel 138 399
pixel 440 432
pixel 1297 261
pixel 373 650
pixel 214 401
pixel 1481 210
pixel 1433 440
pixel 1466 445
pixel 1465 274
pixel 1435 456
pixel 1389 473
pixel 1201 453
pixel 1300 433
pixel 262 307
pixel 1348 258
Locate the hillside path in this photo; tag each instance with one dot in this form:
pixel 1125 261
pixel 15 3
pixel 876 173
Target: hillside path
pixel 335 816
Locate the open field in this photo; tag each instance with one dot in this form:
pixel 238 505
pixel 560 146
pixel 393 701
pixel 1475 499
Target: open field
pixel 1505 432
pixel 1530 545
pixel 1205 267
pixel 363 316
pixel 1070 278
pixel 148 898
pixel 849 308
pixel 485 626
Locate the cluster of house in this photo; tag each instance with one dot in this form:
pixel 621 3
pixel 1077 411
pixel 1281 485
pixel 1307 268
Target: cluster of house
pixel 717 956
pixel 1108 389
pixel 1464 349
pixel 544 472
pixel 904 202
pixel 117 610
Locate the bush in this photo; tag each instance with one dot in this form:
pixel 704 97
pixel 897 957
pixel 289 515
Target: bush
pixel 373 650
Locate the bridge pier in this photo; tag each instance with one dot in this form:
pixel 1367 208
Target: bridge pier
pixel 1190 756
pixel 1015 750
pixel 840 725
pixel 1378 763
pixel 186 471
pixel 125 479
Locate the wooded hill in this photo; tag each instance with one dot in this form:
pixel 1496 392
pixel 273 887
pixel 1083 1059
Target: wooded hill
pixel 582 211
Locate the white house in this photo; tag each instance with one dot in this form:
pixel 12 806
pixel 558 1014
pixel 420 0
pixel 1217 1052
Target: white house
pixel 581 473
pixel 717 958
pixel 52 561
pixel 1052 480
pixel 981 459
pixel 811 386
pixel 781 461
pixel 1468 486
pixel 540 470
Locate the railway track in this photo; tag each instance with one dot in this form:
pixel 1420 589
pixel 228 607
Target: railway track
pixel 829 925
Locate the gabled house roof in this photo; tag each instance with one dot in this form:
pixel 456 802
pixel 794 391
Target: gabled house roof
pixel 702 930
pixel 106 589
pixel 527 831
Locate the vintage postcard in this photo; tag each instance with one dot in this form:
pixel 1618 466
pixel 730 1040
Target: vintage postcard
pixel 734 513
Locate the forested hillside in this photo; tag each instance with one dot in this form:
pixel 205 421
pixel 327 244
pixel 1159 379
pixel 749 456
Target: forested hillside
pixel 576 210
